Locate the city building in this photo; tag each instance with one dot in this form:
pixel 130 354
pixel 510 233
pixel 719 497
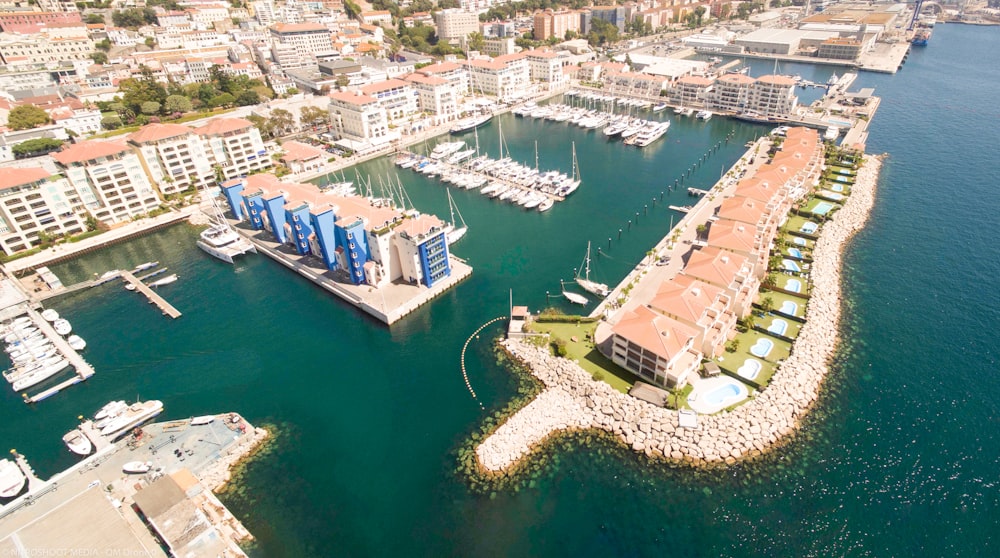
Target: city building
pixel 397 97
pixel 41 48
pixel 730 271
pixel 33 203
pixel 301 157
pixel 435 96
pixel 691 90
pixel 452 72
pixel 545 66
pixel 29 22
pixel 234 146
pixel 377 17
pixel 359 121
pixel 307 38
pixel 655 347
pixel 362 242
pixel 505 77
pixel 107 180
pixel 455 24
pixel 773 95
pixel 550 23
pixel 732 92
pixel 699 305
pixel 174 157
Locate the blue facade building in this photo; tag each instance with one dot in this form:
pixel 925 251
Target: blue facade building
pixel 352 243
pixel 301 226
pixel 233 191
pixel 323 227
pixel 434 259
pixel 274 204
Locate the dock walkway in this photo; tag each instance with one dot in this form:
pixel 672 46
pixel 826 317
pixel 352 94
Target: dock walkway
pixel 491 178
pixel 159 301
pixel 82 368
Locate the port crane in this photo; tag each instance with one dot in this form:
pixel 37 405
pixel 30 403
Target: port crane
pixel 916 14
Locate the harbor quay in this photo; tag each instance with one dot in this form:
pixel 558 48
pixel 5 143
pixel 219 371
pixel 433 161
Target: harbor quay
pixel 381 259
pixel 572 399
pixel 94 508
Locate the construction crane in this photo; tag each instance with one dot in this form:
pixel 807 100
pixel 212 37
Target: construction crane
pixel 916 14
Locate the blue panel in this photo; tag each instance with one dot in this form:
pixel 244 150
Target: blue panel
pixel 234 195
pixel 276 215
pixel 301 229
pixel 255 205
pixel 322 225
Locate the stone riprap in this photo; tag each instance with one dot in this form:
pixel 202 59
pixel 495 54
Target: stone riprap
pixel 572 399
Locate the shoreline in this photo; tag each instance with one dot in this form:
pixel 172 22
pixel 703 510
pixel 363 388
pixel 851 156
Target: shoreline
pixel 572 400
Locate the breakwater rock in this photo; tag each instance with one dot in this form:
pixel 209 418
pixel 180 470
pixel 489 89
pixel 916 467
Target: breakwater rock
pixel 572 399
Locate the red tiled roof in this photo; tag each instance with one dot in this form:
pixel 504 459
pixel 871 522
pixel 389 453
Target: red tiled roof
pixel 384 86
pixel 157 132
pixel 89 150
pixel 297 151
pixel 352 98
pixel 218 126
pixel 663 336
pixel 421 225
pixel 11 178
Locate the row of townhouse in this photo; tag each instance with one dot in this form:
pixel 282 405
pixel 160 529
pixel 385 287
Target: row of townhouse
pixel 369 243
pixel 115 181
pixel 693 314
pixel 367 114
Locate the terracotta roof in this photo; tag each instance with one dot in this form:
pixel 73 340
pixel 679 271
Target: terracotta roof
pixel 89 150
pixel 695 80
pixel 10 178
pixel 777 80
pixel 439 68
pixel 352 98
pixel 427 80
pixel 743 209
pixel 297 151
pixel 540 54
pixel 157 132
pixel 298 27
pixel 759 189
pixel 685 297
pixel 486 64
pixel 420 226
pixel 219 126
pixel 737 79
pixel 716 266
pixel 384 86
pixel 732 235
pixel 663 336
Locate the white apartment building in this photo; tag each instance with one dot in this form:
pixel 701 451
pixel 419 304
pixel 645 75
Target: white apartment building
pixel 359 118
pixel 31 201
pixel 207 14
pixel 773 96
pixel 307 38
pixel 732 92
pixel 504 77
pixel 396 96
pixel 545 66
pixel 28 50
pixel 436 96
pixel 453 73
pixel 173 156
pixel 80 121
pixel 235 146
pixel 455 24
pixel 691 90
pixel 107 180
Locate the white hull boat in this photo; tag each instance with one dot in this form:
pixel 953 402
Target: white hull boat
pixel 78 442
pixel 137 467
pixel 136 414
pixel 165 281
pixel 50 315
pixel 76 342
pixel 12 479
pixel 40 375
pixel 221 241
pixel 62 326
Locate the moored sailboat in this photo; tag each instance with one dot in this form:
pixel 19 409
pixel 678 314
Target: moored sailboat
pixel 583 278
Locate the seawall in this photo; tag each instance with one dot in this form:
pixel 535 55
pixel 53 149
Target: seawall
pixel 573 400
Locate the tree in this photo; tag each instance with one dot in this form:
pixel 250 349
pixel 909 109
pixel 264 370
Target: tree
pixel 99 57
pixel 111 122
pixel 699 13
pixel 177 103
pixel 133 18
pixel 313 116
pixel 150 42
pixel 222 100
pixel 150 107
pixel 26 117
pixel 766 304
pixel 247 97
pixel 104 44
pixel 35 147
pixel 264 125
pixel 94 18
pixel 476 41
pixel 282 121
pixel 343 80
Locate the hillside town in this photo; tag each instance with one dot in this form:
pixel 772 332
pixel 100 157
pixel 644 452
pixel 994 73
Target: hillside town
pixel 112 110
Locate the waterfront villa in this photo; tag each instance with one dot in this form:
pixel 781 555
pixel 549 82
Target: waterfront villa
pixel 727 270
pixel 700 305
pixel 742 239
pixel 370 243
pixel 655 347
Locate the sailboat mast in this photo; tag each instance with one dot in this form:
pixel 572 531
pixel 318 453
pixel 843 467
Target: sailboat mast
pixel 536 154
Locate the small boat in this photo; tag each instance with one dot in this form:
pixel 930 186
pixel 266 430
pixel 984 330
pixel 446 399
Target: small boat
pixel 76 342
pixel 442 150
pixel 583 278
pixel 137 467
pixel 145 266
pixel 165 281
pixel 129 287
pixel 660 107
pixel 50 315
pixel 704 115
pixel 18 334
pixel 62 326
pixel 204 419
pixel 40 375
pixel 546 205
pixel 575 298
pixel 78 443
pixel 133 416
pixel 111 409
pixel 12 479
pixel 454 233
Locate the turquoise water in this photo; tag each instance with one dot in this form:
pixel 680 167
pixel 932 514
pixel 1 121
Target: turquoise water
pixel 898 459
pixel 762 347
pixel 720 395
pixel 822 208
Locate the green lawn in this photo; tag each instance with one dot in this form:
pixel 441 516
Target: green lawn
pixel 782 283
pixel 778 298
pixel 734 360
pixel 586 354
pixel 791 331
pixel 816 201
pixel 795 223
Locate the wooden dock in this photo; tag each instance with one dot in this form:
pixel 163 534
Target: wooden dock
pixel 34 483
pixel 82 368
pixel 159 301
pixel 697 192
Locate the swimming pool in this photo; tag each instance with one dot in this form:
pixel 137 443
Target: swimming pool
pixel 778 327
pixel 831 195
pixel 788 307
pixel 795 252
pixel 789 265
pixel 809 227
pixel 725 395
pixel 762 347
pixel 837 188
pixel 845 179
pixel 750 369
pixel 800 241
pixel 793 285
pixel 822 208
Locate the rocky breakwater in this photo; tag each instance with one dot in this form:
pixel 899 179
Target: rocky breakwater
pixel 573 400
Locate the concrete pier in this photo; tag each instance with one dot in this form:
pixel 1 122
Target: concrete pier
pixel 458 168
pixel 82 369
pixel 34 483
pixel 159 301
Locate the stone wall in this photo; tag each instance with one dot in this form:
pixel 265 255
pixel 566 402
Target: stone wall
pixel 573 399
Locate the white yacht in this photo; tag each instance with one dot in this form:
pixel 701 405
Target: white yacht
pixel 12 479
pixel 50 315
pixel 221 241
pixel 39 375
pixel 703 115
pixel 165 281
pixel 583 278
pixel 76 342
pixel 78 442
pixel 453 232
pixel 133 416
pixel 62 326
pixel 442 150
pixel 651 134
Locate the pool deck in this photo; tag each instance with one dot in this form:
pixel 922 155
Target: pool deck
pixel 696 401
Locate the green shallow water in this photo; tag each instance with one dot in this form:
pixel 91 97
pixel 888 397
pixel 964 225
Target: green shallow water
pixel 899 458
